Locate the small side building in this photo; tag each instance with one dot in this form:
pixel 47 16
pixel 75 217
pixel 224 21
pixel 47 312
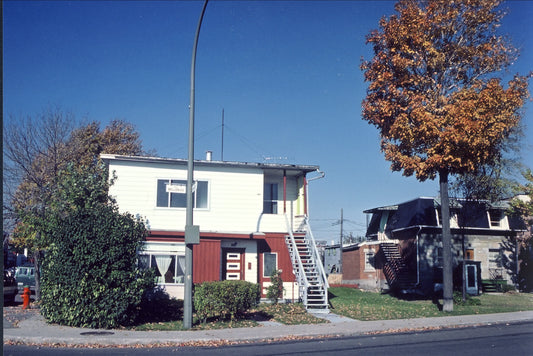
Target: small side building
pixel 403 250
pixel 362 266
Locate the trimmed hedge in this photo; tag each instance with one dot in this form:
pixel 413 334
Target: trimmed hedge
pixel 225 298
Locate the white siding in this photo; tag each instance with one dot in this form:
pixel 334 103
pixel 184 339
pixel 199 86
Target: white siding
pixel 275 222
pixel 290 290
pixel 235 197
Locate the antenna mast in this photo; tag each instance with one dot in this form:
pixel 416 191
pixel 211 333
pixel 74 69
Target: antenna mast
pixel 222 148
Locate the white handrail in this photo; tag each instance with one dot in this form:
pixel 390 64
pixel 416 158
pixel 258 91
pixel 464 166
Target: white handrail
pixel 296 256
pixel 316 255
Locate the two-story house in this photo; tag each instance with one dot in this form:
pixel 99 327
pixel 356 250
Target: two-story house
pixel 403 250
pixel 252 219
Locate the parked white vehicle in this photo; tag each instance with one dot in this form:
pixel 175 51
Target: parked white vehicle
pixel 25 276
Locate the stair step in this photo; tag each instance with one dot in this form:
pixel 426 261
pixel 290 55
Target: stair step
pixel 305 266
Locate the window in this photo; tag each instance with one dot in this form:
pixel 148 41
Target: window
pixel 496 218
pixel 270 198
pixel 438 257
pixel 167 261
pixel 454 217
pixel 166 269
pixel 172 193
pixel 270 263
pixel 495 258
pixel 369 260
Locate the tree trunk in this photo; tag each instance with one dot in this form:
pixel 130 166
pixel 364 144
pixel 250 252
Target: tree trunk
pixel 464 266
pixel 447 268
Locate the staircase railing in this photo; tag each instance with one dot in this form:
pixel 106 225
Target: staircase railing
pixel 316 256
pixel 301 277
pixel 395 268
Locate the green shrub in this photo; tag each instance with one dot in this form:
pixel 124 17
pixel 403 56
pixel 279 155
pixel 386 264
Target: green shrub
pixel 90 274
pixel 158 307
pixel 225 298
pixel 275 289
pixel 458 299
pixel 508 288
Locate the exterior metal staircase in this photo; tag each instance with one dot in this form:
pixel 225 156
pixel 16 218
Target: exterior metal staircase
pixel 396 270
pixel 308 269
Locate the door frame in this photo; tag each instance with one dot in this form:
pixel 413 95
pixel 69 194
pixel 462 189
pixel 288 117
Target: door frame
pixel 241 260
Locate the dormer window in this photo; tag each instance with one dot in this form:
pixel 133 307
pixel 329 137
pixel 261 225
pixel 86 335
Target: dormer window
pixel 454 217
pixel 497 219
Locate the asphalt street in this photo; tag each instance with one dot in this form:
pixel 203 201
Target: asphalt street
pixel 497 339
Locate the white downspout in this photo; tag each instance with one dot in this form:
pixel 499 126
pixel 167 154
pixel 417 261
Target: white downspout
pixel 320 176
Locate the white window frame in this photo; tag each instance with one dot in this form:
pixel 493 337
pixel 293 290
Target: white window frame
pixel 454 217
pixel 165 249
pixel 233 265
pixel 272 200
pixel 264 259
pixel 497 221
pixel 194 195
pixel 368 266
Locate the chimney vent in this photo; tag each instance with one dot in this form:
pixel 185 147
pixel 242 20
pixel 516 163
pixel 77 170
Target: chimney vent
pixel 208 155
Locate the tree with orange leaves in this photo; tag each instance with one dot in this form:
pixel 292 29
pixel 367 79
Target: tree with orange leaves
pixel 434 96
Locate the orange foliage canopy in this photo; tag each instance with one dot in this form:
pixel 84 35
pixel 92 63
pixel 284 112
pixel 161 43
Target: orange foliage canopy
pixel 430 90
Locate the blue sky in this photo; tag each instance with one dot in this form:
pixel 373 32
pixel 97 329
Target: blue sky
pixel 286 74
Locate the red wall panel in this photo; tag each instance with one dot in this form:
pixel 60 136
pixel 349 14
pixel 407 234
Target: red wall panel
pixel 206 261
pixel 277 244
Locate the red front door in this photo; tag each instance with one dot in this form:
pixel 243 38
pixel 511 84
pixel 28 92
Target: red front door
pixel 233 264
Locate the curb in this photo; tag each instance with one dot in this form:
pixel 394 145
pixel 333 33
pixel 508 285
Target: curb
pixel 35 331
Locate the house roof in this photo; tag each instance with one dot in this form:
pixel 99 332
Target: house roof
pixel 422 212
pixel 295 168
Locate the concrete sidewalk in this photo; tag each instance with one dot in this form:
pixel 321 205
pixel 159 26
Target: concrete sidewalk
pixel 34 330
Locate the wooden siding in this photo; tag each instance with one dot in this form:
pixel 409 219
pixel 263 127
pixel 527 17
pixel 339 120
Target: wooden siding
pixel 276 243
pixel 206 261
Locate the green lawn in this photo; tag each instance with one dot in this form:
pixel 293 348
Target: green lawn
pixel 171 319
pixel 360 305
pixel 349 302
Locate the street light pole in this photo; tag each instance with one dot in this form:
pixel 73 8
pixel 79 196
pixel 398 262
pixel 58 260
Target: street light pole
pixel 341 242
pixel 192 233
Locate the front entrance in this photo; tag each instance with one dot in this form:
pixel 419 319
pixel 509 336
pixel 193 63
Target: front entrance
pixel 471 279
pixel 233 264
